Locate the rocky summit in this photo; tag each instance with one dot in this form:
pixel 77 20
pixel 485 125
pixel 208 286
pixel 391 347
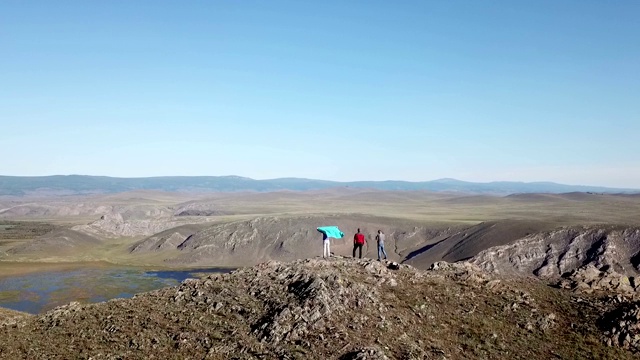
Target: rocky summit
pixel 337 308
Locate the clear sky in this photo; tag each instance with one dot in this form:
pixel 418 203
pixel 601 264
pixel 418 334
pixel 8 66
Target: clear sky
pixel 336 90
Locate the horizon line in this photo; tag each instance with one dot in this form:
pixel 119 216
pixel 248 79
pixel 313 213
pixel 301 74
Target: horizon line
pixel 324 180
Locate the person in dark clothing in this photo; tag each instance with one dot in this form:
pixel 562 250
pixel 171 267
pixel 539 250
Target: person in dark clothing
pixel 358 243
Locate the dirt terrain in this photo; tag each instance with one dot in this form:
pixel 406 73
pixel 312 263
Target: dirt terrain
pixel 11 317
pixel 496 302
pixel 237 229
pixel 328 309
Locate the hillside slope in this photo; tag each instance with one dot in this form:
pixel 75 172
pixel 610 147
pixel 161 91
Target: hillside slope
pixel 324 309
pixel 286 238
pixel 469 241
pixel 59 241
pixel 554 253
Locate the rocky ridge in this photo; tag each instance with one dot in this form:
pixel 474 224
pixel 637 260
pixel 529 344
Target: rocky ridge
pixel 336 308
pixel 559 252
pixel 165 240
pixel 602 261
pixel 589 279
pixel 10 317
pixel 597 259
pixel 286 238
pixel 115 224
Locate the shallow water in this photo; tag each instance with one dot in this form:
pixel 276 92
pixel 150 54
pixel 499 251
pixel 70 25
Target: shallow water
pixel 38 292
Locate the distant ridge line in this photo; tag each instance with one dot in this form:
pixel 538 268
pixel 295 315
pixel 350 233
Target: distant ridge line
pixel 89 184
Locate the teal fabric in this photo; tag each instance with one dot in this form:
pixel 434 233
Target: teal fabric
pixel 331 231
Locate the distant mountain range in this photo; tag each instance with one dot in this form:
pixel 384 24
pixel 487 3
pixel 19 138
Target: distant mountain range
pixel 84 184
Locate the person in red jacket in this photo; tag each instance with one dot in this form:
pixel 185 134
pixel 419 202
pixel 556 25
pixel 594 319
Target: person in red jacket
pixel 358 242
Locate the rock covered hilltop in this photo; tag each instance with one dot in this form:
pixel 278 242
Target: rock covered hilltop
pixel 339 308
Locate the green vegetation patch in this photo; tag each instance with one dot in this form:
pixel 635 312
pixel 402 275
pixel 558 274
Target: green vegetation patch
pixel 23 229
pixel 10 295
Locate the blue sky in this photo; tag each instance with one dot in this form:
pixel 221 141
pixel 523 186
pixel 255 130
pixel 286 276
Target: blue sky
pixel 337 90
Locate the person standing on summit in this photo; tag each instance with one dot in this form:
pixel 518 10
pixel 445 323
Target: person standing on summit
pixel 380 238
pixel 358 242
pixel 329 232
pixel 326 246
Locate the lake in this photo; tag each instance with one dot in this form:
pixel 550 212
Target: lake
pixel 41 291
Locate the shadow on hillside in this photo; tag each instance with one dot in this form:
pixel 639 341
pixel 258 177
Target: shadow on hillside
pixel 422 250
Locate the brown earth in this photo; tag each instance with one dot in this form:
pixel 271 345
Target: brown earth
pixel 326 309
pixel 344 308
pixel 11 317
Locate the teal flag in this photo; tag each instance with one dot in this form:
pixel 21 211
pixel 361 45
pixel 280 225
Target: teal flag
pixel 331 231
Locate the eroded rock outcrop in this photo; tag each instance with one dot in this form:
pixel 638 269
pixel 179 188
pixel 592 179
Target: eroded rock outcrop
pixel 622 326
pixel 117 224
pixel 552 254
pixel 589 279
